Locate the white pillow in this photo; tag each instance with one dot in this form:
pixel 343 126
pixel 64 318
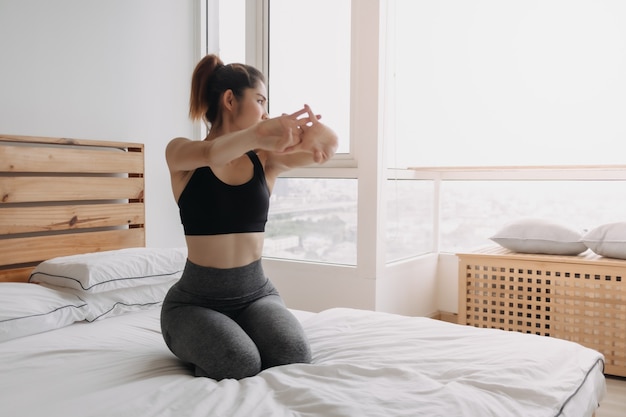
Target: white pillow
pixel 607 240
pixel 110 270
pixel 539 236
pixel 112 303
pixel 27 309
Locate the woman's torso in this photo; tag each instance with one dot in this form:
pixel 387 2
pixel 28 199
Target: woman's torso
pixel 216 247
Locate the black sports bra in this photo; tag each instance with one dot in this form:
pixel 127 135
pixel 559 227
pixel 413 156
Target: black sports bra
pixel 208 206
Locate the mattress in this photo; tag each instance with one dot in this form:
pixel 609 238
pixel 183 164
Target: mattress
pixel 364 364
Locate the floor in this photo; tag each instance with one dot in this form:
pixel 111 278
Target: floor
pixel 614 404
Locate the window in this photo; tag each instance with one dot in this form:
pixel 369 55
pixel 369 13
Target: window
pixel 308 54
pixel 472 211
pixel 313 219
pixel 496 82
pixel 232 34
pixel 409 218
pixel 493 83
pixel 468 84
pixel 309 61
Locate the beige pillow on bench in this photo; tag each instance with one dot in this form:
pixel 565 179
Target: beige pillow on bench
pixel 539 236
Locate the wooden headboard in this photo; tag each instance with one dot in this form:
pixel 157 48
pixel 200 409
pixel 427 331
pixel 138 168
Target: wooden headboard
pixel 63 196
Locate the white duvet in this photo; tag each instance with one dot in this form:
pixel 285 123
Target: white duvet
pixel 364 364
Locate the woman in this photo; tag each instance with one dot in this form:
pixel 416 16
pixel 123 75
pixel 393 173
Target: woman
pixel 224 317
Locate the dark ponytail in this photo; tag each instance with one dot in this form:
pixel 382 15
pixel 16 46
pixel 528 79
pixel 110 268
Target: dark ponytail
pixel 210 79
pixel 199 101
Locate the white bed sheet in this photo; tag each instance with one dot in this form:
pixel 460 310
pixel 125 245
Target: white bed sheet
pixel 364 364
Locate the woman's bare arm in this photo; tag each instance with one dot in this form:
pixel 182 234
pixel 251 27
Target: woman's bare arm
pixel 274 135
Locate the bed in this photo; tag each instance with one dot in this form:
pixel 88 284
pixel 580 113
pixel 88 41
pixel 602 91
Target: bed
pixel 80 336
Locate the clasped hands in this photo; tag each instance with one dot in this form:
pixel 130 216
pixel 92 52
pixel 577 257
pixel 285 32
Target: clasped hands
pixel 298 132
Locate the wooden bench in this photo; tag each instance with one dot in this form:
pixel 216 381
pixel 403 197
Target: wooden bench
pixel 578 298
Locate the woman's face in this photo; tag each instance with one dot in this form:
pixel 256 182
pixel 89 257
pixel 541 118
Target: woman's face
pixel 252 107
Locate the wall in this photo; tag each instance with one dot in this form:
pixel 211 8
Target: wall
pixel 409 287
pixel 448 282
pixel 315 287
pixel 111 70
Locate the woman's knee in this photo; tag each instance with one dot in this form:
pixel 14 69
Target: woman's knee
pixel 235 363
pixel 213 343
pixel 277 333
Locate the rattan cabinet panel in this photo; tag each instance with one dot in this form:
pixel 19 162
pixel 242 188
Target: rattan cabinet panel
pixel 578 298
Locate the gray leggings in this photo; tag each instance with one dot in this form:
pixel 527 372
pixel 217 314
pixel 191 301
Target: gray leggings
pixel 230 323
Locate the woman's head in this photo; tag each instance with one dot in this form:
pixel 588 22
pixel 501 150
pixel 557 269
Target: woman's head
pixel 211 79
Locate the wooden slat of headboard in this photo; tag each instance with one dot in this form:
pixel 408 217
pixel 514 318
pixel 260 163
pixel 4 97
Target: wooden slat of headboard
pixel 54 218
pixel 38 248
pixel 58 159
pixel 130 146
pixel 16 274
pixel 43 189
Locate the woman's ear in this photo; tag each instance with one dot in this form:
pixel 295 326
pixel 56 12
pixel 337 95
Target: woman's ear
pixel 228 100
